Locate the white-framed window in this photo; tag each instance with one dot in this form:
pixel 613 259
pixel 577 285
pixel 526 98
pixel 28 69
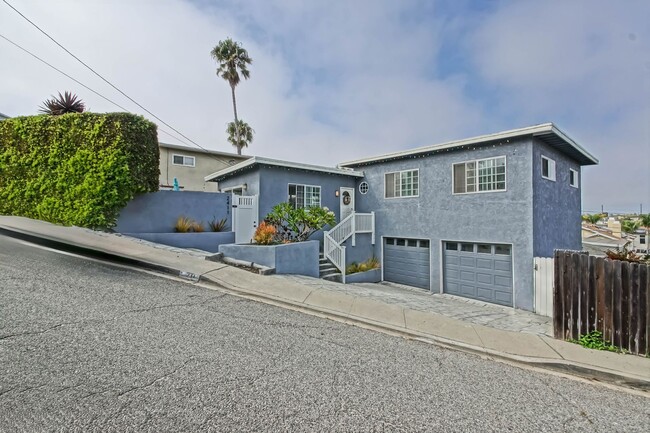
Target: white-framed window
pixel 548 168
pixel 304 195
pixel 573 178
pixel 187 161
pixel 363 187
pixel 481 175
pixel 402 184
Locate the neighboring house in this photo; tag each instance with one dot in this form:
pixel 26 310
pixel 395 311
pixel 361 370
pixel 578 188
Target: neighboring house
pixel 190 165
pixel 465 217
pixel 4 116
pixel 596 240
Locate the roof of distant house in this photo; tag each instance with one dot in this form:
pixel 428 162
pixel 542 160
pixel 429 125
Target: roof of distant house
pixel 546 132
pixel 199 150
pixel 261 161
pixel 4 116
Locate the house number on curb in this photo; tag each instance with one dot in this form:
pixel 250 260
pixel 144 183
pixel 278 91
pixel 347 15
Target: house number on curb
pixel 189 276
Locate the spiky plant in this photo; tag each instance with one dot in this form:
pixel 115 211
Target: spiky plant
pixel 66 103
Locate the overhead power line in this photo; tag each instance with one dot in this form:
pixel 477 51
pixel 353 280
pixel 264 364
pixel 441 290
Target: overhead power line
pixel 104 79
pixel 80 83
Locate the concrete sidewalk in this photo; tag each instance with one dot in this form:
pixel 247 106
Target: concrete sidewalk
pixel 359 305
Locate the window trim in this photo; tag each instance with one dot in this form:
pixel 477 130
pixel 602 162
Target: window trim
pixel 174 155
pixel 320 193
pixel 552 176
pixel 400 172
pixel 576 177
pixel 476 161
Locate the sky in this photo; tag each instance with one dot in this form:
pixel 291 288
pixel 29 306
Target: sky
pixel 338 80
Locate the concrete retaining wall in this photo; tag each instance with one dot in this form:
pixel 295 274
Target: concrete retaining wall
pixel 296 258
pixel 371 276
pixel 206 241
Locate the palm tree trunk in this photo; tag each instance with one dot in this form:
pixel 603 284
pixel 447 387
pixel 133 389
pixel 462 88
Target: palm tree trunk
pixel 234 108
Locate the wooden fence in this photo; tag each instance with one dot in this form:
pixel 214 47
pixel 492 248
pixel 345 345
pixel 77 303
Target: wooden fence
pixel 594 293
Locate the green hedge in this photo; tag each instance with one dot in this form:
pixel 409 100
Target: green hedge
pixel 76 169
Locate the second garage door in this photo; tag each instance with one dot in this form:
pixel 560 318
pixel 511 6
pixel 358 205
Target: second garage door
pixel 406 261
pixel 478 271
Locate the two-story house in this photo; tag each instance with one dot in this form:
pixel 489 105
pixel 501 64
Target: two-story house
pixel 189 166
pixel 465 217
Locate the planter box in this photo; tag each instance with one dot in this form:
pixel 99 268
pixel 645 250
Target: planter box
pixel 371 276
pixel 206 241
pixel 297 258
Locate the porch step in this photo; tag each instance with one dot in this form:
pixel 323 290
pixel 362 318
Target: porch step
pixel 327 271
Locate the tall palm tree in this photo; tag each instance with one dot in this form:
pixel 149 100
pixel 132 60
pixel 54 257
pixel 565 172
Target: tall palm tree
pixel 232 60
pixel 240 134
pixel 630 226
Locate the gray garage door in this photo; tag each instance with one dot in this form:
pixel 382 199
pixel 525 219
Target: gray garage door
pixel 406 261
pixel 478 271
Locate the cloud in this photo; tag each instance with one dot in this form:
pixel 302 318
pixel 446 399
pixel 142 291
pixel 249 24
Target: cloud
pixel 332 81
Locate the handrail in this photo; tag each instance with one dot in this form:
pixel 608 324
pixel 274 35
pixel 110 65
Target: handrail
pixel 333 250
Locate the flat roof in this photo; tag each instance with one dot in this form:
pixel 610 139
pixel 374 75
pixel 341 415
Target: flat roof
pixel 199 150
pixel 546 132
pixel 258 160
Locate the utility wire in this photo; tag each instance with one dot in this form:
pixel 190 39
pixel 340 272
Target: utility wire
pixel 104 79
pixel 80 83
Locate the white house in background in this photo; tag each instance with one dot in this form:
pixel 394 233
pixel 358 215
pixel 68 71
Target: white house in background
pixel 190 166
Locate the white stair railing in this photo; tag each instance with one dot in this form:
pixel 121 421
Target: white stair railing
pixel 333 248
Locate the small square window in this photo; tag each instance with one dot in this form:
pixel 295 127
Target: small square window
pixel 187 161
pixel 548 168
pixel 401 242
pixel 573 178
pixel 424 244
pixel 451 246
pixel 484 249
pixel 502 249
pixel 412 243
pixel 390 241
pixel 468 248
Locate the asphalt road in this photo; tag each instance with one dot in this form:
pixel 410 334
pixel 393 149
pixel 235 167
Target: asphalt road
pixel 86 346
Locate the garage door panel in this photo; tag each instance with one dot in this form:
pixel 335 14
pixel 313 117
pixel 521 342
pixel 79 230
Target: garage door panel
pixel 483 276
pixel 407 264
pixel 468 261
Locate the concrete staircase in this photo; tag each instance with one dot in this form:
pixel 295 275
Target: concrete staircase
pixel 328 271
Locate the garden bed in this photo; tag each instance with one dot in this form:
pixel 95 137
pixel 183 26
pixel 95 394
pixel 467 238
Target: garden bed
pixel 206 241
pixel 299 258
pixel 371 276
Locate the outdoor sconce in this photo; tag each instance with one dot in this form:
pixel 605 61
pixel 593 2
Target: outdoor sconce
pixel 336 193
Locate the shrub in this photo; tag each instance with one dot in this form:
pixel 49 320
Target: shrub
pixel 77 168
pixel 183 225
pixel 218 226
pixel 264 234
pixel 297 225
pixel 370 264
pixel 197 227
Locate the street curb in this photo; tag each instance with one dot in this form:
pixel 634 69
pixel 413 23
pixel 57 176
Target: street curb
pixel 562 366
pixel 89 252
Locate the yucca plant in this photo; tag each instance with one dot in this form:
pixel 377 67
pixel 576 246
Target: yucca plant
pixel 218 225
pixel 66 103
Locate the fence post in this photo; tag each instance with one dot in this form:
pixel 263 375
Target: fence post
pixel 373 226
pixel 558 296
pixel 354 229
pixel 343 264
pixel 584 294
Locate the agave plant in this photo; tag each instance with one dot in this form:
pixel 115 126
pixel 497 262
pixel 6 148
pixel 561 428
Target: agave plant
pixel 66 103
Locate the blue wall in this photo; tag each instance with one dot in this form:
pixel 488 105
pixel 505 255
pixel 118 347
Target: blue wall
pixel 157 212
pixel 557 207
pixel 438 215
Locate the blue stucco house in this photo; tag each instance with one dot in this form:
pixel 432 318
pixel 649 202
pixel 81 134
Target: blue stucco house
pixel 465 217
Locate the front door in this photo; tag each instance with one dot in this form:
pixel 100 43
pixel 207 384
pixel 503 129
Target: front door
pixel 346 197
pixel 244 215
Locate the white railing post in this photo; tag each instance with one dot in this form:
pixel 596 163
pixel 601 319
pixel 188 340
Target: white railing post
pixel 342 269
pixel 372 226
pixel 354 229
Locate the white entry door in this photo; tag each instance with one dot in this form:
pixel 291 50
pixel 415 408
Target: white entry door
pixel 244 216
pixel 346 197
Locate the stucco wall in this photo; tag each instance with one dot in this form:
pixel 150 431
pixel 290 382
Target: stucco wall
pixel 557 205
pixel 438 215
pixel 157 212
